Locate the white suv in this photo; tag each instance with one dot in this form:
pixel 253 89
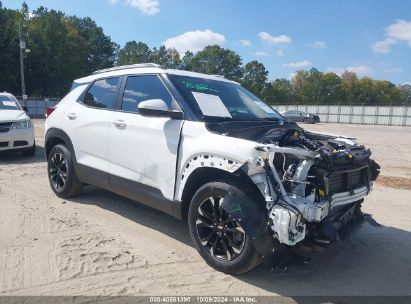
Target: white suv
pixel 16 129
pixel 203 148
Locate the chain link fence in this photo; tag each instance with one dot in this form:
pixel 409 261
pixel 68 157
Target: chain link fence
pixel 350 114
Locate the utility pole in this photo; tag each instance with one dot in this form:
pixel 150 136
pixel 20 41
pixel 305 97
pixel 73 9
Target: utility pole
pixel 22 47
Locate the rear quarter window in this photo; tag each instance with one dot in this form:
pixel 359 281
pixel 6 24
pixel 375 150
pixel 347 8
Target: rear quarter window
pixel 102 94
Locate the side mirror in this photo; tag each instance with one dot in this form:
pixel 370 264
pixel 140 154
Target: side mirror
pixel 158 108
pixel 25 109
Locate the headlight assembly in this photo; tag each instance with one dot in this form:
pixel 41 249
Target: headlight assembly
pixel 22 124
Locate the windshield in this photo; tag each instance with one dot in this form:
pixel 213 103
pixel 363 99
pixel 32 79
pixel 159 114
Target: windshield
pixel 221 100
pixel 8 103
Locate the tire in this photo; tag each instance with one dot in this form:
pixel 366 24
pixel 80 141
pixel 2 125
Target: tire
pixel 229 259
pixel 62 176
pixel 30 151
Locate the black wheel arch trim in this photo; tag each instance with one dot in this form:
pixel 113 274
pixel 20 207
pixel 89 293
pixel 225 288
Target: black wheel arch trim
pixel 57 136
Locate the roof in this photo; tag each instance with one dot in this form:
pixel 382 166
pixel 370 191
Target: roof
pixel 144 68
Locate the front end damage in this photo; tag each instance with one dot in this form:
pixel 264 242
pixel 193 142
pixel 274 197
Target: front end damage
pixel 313 186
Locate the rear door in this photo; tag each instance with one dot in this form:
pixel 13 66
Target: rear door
pixel 87 124
pixel 143 150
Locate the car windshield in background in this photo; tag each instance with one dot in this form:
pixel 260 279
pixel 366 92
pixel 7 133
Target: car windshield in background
pixel 8 103
pixel 221 100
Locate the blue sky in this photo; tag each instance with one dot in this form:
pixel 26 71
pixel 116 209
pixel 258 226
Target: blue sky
pixel 370 37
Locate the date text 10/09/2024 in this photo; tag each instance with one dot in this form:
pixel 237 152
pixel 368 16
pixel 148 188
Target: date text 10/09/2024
pixel 203 299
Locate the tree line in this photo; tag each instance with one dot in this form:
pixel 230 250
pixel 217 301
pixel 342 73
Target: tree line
pixel 63 48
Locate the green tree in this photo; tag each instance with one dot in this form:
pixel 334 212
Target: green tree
pixel 167 58
pixel 187 61
pixel 332 91
pixel 134 52
pixel 254 77
pixel 218 61
pixel 280 91
pixel 9 50
pixel 101 52
pixel 56 53
pixel 405 90
pixel 350 86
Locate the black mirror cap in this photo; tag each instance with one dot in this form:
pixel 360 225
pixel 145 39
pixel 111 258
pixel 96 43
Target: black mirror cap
pixel 159 113
pixel 25 109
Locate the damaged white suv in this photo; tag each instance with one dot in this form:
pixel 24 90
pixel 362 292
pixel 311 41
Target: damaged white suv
pixel 203 148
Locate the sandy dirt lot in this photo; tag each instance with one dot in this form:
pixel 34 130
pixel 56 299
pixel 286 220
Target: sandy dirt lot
pixel 102 244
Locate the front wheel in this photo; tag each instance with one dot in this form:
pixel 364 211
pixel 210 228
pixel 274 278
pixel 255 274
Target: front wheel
pixel 62 176
pixel 219 239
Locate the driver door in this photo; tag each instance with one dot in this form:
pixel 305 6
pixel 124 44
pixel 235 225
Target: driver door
pixel 143 150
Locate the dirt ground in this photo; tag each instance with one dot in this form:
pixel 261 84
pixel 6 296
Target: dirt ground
pixel 102 244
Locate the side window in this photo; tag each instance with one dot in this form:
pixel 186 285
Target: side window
pixel 141 88
pixel 102 93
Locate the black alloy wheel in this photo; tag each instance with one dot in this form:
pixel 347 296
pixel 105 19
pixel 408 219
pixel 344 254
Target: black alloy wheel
pixel 219 234
pixel 58 171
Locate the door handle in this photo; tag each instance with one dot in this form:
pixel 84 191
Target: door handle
pixel 121 124
pixel 71 116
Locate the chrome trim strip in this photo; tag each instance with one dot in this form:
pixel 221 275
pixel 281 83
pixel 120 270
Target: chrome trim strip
pixel 343 198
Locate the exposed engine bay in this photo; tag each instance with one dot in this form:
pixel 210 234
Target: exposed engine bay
pixel 313 184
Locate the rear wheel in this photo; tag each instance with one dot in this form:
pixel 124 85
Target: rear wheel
pixel 219 239
pixel 62 176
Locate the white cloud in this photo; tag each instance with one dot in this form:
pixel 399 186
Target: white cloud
pixel 317 45
pixel 383 46
pixel 298 64
pixel 280 53
pixel 245 42
pixel 360 70
pixel 261 53
pixel 146 7
pixel 274 40
pixel 194 41
pixel 401 30
pixel 337 71
pixel 393 70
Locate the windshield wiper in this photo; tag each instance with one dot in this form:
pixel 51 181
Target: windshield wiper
pixel 224 118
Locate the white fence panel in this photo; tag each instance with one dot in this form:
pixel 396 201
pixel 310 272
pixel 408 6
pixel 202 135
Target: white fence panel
pixel 373 115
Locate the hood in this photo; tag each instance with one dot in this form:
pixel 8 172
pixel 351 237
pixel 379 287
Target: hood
pixel 12 115
pixel 257 131
pixel 332 152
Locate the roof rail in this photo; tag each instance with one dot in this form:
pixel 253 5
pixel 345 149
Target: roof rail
pixel 126 67
pixel 219 76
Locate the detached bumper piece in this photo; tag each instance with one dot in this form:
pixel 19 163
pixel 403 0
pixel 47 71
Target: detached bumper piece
pixel 336 227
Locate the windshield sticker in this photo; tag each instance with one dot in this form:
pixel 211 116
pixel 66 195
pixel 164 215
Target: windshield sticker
pixel 9 103
pixel 198 86
pixel 264 107
pixel 211 105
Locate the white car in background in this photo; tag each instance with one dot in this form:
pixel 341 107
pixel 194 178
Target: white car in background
pixel 16 128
